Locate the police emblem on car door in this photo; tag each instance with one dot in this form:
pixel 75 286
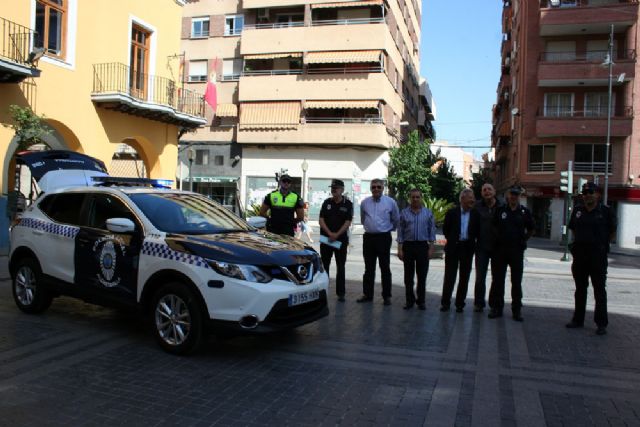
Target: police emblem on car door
pixel 107 261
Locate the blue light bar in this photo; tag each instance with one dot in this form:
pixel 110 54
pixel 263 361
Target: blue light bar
pixel 126 181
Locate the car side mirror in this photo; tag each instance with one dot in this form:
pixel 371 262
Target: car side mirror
pixel 120 225
pixel 257 221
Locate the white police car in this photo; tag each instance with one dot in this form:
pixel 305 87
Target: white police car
pixel 189 263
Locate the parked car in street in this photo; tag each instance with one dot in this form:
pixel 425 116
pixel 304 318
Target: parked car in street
pixel 187 263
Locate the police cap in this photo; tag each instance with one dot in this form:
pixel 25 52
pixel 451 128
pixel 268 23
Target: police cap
pixel 337 183
pixel 515 189
pixel 285 177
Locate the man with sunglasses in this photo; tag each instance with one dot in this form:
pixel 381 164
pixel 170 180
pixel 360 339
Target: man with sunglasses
pixel 379 216
pixel 593 225
pixel 336 215
pixel 286 208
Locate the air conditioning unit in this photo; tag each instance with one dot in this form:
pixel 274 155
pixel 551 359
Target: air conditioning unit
pixel 263 13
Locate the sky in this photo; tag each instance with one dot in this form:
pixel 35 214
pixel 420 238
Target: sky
pixel 460 58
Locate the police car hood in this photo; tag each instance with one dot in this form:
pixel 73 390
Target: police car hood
pixel 253 248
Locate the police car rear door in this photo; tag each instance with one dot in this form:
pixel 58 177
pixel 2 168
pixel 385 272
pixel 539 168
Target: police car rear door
pixel 106 261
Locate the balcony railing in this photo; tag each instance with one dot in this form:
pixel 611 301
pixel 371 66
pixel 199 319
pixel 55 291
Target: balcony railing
pixel 316 23
pixel 558 4
pixel 365 120
pixel 15 41
pixel 595 112
pixel 315 71
pixel 230 77
pixel 234 32
pixel 119 78
pixel 542 167
pixel 592 56
pixel 271 72
pixel 592 167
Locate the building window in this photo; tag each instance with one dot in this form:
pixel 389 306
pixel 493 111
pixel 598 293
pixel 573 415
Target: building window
pixel 231 69
pixel 198 71
pixel 595 104
pixel 233 25
pixel 50 26
pixel 542 158
pixel 591 158
pixel 202 157
pixel 200 27
pixel 558 104
pixel 218 160
pixel 139 61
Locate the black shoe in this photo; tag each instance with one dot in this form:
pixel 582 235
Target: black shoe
pixel 602 330
pixel 573 324
pixel 517 317
pixel 459 309
pixel 364 298
pixel 341 298
pixel 444 308
pixel 478 309
pixel 422 307
pixel 408 306
pixel 387 301
pixel 494 314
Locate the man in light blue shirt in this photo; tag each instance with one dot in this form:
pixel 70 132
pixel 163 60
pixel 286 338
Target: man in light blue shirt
pixel 379 215
pixel 416 234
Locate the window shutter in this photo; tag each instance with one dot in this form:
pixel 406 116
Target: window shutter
pixel 186 27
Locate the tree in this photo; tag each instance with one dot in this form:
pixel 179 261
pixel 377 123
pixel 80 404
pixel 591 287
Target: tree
pixel 444 183
pixel 410 167
pixel 29 127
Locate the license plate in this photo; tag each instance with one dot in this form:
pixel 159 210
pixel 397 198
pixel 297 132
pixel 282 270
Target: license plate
pixel 303 297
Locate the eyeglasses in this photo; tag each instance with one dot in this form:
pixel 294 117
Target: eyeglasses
pixel 378 187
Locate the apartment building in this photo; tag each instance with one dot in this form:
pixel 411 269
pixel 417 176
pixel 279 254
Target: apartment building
pixel 319 89
pixel 552 106
pixel 103 74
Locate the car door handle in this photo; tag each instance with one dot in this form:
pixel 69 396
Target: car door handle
pixel 38 232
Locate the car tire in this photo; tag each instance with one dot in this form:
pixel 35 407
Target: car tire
pixel 28 292
pixel 177 318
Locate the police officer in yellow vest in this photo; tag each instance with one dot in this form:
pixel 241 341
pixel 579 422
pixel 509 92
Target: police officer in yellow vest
pixel 287 208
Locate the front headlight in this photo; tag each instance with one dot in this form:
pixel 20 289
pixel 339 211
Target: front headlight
pixel 249 273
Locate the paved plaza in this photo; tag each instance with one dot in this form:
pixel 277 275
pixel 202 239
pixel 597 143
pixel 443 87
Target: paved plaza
pixel 365 364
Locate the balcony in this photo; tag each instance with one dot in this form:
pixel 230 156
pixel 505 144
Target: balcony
pixel 587 123
pixel 16 59
pixel 118 87
pixel 275 38
pixel 571 69
pixel 586 16
pixel 324 131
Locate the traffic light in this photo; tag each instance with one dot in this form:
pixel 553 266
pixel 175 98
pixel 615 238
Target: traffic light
pixel 566 182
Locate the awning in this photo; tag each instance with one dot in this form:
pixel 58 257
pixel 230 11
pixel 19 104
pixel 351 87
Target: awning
pixel 344 105
pixel 227 110
pixel 274 55
pixel 347 4
pixel 270 115
pixel 342 57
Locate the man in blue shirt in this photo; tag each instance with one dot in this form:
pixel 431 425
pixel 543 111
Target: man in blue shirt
pixel 379 215
pixel 416 231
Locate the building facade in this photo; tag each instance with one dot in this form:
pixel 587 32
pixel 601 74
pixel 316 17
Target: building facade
pixel 552 106
pixel 103 74
pixel 318 89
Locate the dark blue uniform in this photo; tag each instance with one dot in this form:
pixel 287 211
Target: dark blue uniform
pixel 513 228
pixel 591 233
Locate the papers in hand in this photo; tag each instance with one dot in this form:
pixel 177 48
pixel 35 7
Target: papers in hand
pixel 335 244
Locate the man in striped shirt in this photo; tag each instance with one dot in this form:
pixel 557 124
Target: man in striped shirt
pixel 416 234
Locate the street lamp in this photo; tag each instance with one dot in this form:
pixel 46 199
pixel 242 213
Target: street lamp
pixel 191 155
pixel 305 168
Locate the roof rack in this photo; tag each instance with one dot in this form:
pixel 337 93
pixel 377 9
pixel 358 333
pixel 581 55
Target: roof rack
pixel 107 181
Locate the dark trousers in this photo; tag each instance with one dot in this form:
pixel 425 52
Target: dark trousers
pixel 376 246
pixel 483 257
pixel 459 255
pixel 590 262
pixel 514 259
pixel 416 261
pixel 326 253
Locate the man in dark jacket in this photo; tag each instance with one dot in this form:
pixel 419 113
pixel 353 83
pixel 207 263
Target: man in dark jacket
pixel 485 245
pixel 514 226
pixel 460 228
pixel 593 226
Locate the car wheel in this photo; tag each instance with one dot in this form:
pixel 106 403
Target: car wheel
pixel 177 319
pixel 28 293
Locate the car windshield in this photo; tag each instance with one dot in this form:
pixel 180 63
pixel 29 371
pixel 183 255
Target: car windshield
pixel 185 213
